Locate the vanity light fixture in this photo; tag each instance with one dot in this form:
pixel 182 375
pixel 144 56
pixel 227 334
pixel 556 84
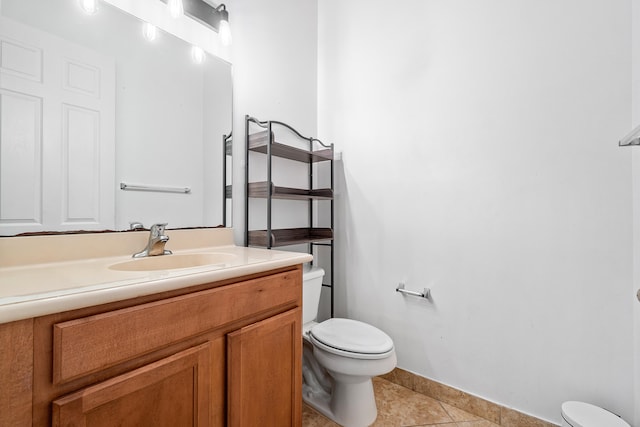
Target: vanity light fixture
pixel 197 54
pixel 224 30
pixel 632 138
pixel 149 31
pixel 176 8
pixel 90 7
pixel 205 12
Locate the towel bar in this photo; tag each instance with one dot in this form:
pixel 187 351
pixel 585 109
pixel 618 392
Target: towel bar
pixel 139 187
pixel 425 294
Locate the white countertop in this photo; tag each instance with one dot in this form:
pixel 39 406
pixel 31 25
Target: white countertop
pixel 41 275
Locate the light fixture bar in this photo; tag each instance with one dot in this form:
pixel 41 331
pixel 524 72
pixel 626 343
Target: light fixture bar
pixel 204 13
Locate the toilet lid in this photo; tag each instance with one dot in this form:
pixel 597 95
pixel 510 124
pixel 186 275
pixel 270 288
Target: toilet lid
pixel 580 414
pixel 351 338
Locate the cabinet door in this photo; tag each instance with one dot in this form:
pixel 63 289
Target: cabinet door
pixel 170 392
pixel 265 372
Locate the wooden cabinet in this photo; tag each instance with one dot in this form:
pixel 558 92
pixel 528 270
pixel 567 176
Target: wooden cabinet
pixel 224 353
pixel 272 346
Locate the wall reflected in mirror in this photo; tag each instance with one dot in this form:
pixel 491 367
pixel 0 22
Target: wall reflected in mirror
pixel 88 103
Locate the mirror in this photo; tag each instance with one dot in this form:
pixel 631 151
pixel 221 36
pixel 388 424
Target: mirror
pixel 89 106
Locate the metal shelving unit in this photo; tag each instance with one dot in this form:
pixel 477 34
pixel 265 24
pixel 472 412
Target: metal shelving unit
pixel 227 158
pixel 261 138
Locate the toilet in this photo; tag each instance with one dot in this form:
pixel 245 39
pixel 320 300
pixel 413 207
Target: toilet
pixel 580 414
pixel 340 356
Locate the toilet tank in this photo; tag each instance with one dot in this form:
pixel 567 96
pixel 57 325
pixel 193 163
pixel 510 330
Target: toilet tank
pixel 311 288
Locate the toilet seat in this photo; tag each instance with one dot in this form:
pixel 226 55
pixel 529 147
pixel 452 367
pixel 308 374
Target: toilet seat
pixel 580 414
pixel 351 338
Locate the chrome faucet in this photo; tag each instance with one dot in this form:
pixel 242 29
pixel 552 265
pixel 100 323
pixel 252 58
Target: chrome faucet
pixel 135 225
pixel 157 240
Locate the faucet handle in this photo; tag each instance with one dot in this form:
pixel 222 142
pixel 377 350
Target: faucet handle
pixel 157 229
pixel 136 225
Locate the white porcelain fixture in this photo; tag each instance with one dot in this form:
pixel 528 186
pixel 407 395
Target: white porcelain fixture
pixel 170 262
pixel 580 414
pixel 339 358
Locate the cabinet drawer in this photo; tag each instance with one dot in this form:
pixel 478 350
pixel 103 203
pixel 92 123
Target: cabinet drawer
pixel 93 343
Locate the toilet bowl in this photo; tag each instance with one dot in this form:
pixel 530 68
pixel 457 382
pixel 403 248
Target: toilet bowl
pixel 340 356
pixel 580 414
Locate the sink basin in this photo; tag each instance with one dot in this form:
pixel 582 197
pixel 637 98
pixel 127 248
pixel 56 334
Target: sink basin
pixel 170 262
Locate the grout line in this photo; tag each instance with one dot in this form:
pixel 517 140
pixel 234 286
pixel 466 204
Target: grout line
pixel 444 409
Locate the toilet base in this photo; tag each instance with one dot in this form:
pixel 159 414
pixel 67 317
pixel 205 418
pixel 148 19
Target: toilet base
pixel 350 401
pixel 350 405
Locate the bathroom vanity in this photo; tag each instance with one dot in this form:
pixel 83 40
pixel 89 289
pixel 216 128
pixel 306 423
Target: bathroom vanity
pixel 206 344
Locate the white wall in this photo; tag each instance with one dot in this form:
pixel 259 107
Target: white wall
pixel 274 74
pixel 480 159
pixel 636 198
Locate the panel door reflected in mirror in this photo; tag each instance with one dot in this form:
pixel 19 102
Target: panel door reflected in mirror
pixel 89 103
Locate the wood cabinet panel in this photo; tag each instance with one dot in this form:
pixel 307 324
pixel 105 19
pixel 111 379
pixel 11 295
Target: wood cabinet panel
pixel 171 392
pixel 265 361
pixel 93 343
pixel 190 357
pixel 16 373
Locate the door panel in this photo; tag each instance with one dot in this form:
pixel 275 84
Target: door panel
pixel 57 126
pixel 171 392
pixel 265 372
pixel 20 158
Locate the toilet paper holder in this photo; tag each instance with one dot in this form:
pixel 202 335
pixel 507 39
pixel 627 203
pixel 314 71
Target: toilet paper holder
pixel 424 294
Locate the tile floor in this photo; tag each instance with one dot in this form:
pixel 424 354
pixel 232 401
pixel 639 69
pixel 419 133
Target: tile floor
pixel 400 407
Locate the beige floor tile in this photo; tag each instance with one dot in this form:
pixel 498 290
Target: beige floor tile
pixel 478 423
pixel 311 418
pixel 401 377
pixel 513 418
pixel 437 425
pixel 399 406
pixel 472 404
pixel 458 414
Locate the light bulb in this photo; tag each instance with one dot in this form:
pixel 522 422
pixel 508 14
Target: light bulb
pixel 90 7
pixel 224 32
pixel 149 31
pixel 175 8
pixel 197 54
